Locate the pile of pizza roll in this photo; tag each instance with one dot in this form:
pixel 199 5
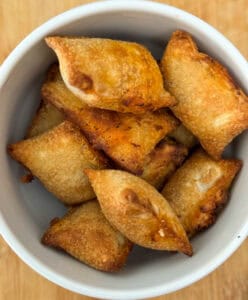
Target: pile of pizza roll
pixel 132 148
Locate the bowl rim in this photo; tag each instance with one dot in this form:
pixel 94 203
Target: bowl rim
pixel 7 67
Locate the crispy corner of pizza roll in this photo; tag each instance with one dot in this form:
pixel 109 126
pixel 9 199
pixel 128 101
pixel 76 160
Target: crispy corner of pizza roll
pixel 183 136
pixel 110 74
pixel 162 162
pixel 57 158
pixel 122 136
pixel 138 211
pixel 210 104
pixel 199 188
pixel 55 92
pixel 87 235
pixel 46 117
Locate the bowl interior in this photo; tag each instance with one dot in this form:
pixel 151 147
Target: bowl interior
pixel 27 209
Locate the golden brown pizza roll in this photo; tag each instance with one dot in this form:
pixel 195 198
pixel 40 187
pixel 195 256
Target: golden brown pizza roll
pixel 86 234
pixel 46 117
pixel 210 104
pixel 138 211
pixel 199 188
pixel 57 158
pixel 183 136
pixel 111 74
pixel 125 137
pixel 162 162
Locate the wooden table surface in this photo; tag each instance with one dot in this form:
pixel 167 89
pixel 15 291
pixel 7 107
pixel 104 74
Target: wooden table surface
pixel 17 281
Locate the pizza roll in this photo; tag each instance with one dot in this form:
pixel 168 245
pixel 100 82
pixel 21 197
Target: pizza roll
pixel 138 211
pixel 47 117
pixel 110 74
pixel 57 158
pixel 199 188
pixel 87 235
pixel 162 162
pixel 126 138
pixel 210 104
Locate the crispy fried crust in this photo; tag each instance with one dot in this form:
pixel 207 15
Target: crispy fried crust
pixel 86 234
pixel 138 210
pixel 127 139
pixel 58 158
pixel 198 189
pixel 47 117
pixel 162 162
pixel 122 136
pixel 183 136
pixel 110 74
pixel 210 104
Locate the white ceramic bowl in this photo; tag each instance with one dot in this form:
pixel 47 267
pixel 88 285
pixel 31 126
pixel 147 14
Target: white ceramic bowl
pixel 25 210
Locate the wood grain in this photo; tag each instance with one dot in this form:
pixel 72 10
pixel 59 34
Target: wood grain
pixel 17 281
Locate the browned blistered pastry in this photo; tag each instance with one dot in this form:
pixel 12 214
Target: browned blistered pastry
pixel 199 188
pixel 210 104
pixel 138 211
pixel 159 164
pixel 46 117
pixel 58 158
pixel 86 234
pixel 125 137
pixel 162 162
pixel 110 74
